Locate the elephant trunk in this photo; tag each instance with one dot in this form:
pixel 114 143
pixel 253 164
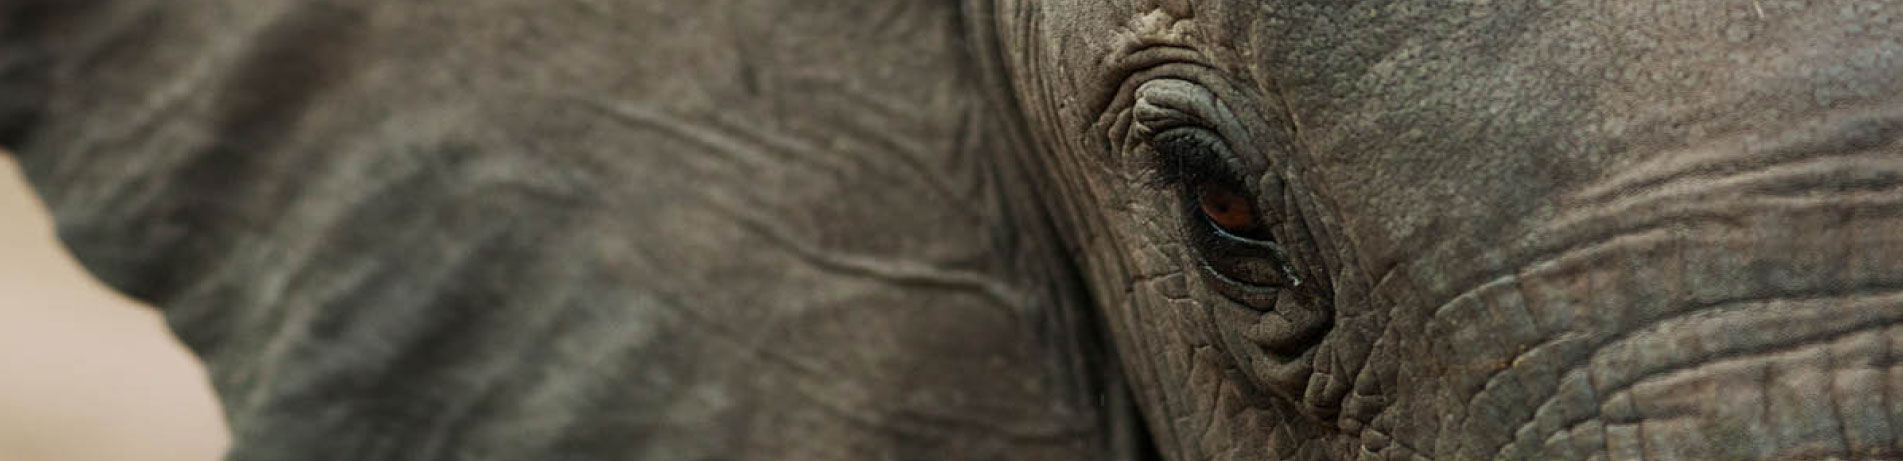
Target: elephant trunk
pixel 1738 301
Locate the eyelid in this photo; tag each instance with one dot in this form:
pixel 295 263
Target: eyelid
pixel 1154 118
pixel 1173 112
pixel 1168 103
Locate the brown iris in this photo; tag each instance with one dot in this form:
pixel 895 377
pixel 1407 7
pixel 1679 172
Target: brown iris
pixel 1227 208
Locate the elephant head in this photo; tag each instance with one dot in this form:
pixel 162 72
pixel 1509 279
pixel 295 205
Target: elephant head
pixel 995 229
pixel 1484 230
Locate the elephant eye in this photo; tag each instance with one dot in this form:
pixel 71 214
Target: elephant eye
pixel 1190 160
pixel 1228 209
pixel 1226 228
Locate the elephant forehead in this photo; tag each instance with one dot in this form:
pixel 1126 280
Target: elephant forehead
pixel 1421 121
pixel 1465 132
pixel 1440 132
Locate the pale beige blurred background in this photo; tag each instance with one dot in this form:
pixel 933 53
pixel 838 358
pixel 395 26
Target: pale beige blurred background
pixel 86 374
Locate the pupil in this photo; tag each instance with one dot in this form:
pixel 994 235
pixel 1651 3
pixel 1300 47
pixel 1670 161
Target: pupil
pixel 1226 208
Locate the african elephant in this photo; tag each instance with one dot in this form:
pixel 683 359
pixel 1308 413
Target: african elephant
pixel 994 229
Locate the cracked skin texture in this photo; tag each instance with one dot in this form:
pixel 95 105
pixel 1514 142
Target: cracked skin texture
pixel 850 229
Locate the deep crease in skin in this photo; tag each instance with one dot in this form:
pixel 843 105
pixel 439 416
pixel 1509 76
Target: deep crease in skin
pixel 728 142
pixel 1719 306
pixel 1796 182
pixel 851 411
pixel 1888 349
pixel 1594 241
pixel 1116 123
pixel 1836 414
pixel 1376 294
pixel 1700 309
pixel 910 149
pixel 897 271
pixel 1619 336
pixel 919 424
pixel 1817 340
pixel 1142 56
pixel 718 141
pixel 1858 137
pixel 1394 442
pixel 1144 349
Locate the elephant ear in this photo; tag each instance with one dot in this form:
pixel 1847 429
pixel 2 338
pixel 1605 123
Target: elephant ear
pixel 534 229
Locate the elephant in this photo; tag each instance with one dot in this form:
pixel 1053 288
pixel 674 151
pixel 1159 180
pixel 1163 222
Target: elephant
pixel 994 229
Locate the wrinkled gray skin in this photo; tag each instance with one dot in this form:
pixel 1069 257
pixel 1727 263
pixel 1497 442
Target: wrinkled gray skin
pixel 895 229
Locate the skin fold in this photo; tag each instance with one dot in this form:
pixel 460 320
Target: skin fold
pixel 856 229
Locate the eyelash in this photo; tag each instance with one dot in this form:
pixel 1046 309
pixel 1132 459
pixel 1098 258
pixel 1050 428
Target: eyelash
pixel 1185 157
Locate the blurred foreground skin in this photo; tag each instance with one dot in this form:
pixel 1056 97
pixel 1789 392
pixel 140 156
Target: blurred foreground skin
pixel 86 374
